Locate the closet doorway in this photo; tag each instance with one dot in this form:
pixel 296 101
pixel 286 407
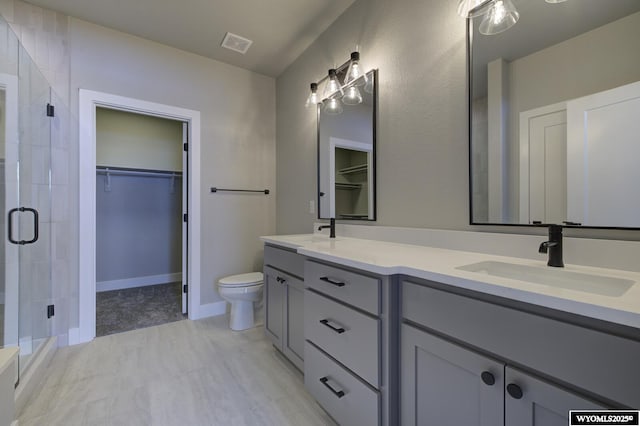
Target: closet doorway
pixel 141 228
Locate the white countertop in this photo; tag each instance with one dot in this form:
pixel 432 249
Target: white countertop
pixel 385 258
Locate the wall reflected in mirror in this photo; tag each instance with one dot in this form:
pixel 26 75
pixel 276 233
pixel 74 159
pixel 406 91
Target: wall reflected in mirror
pixel 346 158
pixel 555 101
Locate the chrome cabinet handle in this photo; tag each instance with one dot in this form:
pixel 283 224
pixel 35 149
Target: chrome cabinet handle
pixel 325 381
pixel 338 330
pixel 333 282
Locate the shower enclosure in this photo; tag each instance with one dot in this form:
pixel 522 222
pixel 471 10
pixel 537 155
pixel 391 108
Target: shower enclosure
pixel 25 199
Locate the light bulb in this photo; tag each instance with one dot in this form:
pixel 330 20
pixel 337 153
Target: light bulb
pixel 313 96
pixel 333 106
pixel 352 96
pixel 501 16
pixel 354 72
pixel 333 85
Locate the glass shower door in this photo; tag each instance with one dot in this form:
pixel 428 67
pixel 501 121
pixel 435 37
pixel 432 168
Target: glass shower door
pixel 31 218
pixel 34 211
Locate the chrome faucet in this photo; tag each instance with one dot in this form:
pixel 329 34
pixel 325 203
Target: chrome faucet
pixel 553 246
pixel 331 226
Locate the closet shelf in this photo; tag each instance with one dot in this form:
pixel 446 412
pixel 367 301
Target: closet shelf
pixel 353 169
pixel 350 186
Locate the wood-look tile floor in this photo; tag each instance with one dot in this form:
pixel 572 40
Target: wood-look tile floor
pixel 181 373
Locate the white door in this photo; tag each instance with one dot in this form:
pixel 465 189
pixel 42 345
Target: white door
pixel 543 165
pixel 185 223
pixel 602 136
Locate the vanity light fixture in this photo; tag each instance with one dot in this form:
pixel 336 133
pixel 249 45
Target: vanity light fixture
pixel 352 96
pixel 313 98
pixel 334 93
pixel 333 85
pixel 555 1
pixel 333 106
pixel 354 73
pixel 501 16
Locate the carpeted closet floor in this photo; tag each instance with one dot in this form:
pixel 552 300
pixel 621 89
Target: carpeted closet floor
pixel 139 307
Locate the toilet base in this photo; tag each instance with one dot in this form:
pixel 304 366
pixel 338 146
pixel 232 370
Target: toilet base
pixel 241 317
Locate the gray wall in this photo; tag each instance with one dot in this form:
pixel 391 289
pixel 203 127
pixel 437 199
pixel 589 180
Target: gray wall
pixel 237 134
pixel 419 48
pixel 138 227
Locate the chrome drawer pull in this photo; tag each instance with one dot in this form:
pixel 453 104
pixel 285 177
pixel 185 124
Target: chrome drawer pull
pixel 339 330
pixel 330 281
pixel 325 381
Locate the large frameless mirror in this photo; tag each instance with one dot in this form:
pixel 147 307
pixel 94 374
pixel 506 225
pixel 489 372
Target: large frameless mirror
pixel 554 108
pixel 346 154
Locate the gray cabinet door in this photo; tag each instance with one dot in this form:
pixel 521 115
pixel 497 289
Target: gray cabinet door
pixel 293 345
pixel 442 383
pixel 274 298
pixel 540 403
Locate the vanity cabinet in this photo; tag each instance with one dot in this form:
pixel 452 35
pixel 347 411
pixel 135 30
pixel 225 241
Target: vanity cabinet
pixel 284 302
pixel 469 360
pixel 442 383
pixel 448 384
pixel 348 323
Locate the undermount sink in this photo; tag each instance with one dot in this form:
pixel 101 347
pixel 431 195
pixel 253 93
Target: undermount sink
pixel 553 277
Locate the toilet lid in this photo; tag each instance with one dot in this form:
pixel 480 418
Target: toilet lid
pixel 241 280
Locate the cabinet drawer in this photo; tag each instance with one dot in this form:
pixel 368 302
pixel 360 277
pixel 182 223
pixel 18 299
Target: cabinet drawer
pixel 355 289
pixel 347 399
pixel 347 335
pixel 284 260
pixel 591 360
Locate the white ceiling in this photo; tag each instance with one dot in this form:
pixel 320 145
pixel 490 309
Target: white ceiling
pixel 280 29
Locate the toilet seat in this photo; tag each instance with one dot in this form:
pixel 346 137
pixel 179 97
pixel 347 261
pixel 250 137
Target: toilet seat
pixel 242 280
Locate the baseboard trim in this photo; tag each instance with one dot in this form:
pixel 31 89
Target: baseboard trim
pixel 138 282
pixel 211 310
pixel 74 336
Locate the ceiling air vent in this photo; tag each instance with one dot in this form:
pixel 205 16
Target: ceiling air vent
pixel 236 43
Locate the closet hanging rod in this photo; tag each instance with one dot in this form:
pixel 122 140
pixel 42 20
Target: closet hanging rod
pixel 263 191
pixel 123 171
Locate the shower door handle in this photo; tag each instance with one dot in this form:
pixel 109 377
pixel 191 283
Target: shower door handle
pixel 35 225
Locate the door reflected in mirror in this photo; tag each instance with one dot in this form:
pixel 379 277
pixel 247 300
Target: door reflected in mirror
pixel 555 102
pixel 346 158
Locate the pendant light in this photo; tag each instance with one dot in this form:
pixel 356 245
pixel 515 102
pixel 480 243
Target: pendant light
pixel 352 96
pixel 354 72
pixel 471 8
pixel 501 16
pixel 333 106
pixel 313 96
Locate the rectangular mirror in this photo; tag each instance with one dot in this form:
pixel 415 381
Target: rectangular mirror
pixel 347 158
pixel 554 115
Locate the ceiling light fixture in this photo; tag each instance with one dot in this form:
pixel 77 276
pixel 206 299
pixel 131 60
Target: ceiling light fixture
pixel 334 94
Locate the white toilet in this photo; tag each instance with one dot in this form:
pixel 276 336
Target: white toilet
pixel 241 291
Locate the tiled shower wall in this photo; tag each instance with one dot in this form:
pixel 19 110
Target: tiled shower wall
pixel 44 35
